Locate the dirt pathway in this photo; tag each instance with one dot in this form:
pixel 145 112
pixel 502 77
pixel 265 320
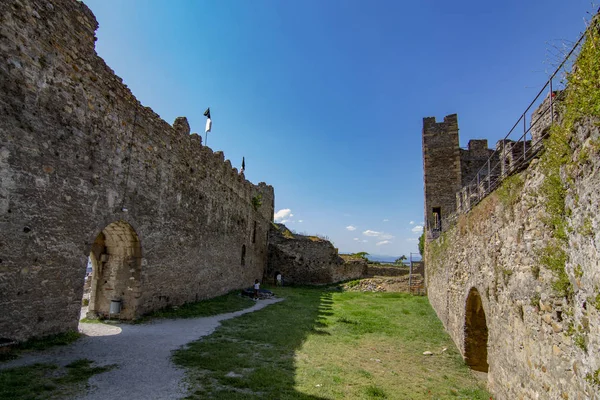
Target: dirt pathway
pixel 141 352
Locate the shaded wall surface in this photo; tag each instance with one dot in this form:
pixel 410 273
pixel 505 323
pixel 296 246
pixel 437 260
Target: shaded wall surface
pixel 79 152
pixel 308 259
pixel 541 334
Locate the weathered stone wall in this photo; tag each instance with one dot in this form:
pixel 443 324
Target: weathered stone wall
pixel 441 167
pixel 382 270
pixel 78 152
pixel 540 344
pixel 472 159
pixel 308 259
pixel 386 270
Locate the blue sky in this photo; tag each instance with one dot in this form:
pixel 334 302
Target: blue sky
pixel 325 98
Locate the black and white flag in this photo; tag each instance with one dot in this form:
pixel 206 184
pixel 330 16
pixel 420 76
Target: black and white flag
pixel 208 120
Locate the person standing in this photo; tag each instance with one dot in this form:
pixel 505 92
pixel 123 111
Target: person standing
pixel 279 279
pixel 256 289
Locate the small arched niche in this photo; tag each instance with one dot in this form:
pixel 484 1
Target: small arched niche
pixel 476 333
pixel 116 271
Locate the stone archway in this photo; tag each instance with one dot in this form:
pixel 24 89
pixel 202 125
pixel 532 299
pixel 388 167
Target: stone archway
pixel 116 271
pixel 476 333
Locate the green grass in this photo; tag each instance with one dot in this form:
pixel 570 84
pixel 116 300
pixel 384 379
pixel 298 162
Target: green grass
pixel 230 302
pixel 320 344
pixel 46 381
pixel 40 344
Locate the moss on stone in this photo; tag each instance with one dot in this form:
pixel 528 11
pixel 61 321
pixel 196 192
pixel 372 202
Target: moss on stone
pixel 578 271
pixel 554 257
pixel 535 300
pixel 586 229
pixel 593 378
pixel 595 301
pixel 510 190
pixel 580 341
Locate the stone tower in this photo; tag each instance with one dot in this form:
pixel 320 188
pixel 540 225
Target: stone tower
pixel 441 169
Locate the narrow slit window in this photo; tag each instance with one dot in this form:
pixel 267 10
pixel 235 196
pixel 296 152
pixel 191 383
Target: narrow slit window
pixel 437 218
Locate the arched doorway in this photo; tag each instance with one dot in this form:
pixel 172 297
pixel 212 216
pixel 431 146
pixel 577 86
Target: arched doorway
pixel 476 333
pixel 115 258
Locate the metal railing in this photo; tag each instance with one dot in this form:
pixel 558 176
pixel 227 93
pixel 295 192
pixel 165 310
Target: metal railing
pixel 513 153
pixel 518 148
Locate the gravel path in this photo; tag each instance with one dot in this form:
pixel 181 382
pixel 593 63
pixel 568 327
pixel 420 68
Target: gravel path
pixel 142 353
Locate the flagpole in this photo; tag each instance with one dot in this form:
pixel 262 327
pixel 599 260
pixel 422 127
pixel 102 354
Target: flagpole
pixel 206 140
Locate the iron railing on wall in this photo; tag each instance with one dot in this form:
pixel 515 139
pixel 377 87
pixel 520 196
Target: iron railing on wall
pixel 520 145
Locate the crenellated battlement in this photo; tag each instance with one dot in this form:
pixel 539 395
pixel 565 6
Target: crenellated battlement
pixel 455 179
pixel 442 168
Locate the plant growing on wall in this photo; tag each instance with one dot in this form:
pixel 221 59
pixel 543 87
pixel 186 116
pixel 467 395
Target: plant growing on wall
pixel 257 202
pixel 581 100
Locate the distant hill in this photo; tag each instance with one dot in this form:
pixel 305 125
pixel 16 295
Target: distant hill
pixel 375 257
pixel 389 259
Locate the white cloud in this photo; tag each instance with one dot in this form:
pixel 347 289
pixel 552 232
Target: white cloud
pixel 351 228
pixel 369 232
pixel 417 229
pixel 355 239
pixel 381 235
pixel 300 220
pixel 412 222
pixel 382 243
pixel 282 215
pixel 386 220
pixel 364 241
pixel 421 223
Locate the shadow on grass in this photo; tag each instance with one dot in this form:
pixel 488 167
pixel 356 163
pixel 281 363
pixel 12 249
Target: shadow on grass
pixel 253 356
pixel 44 381
pixel 321 343
pixel 36 344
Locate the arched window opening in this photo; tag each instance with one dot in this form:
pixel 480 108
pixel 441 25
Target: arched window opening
pixel 476 333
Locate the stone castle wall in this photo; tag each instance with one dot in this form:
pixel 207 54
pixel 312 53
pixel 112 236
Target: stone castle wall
pixel 472 159
pixel 539 344
pixel 308 259
pixel 80 154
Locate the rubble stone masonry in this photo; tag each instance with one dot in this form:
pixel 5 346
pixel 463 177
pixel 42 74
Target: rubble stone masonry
pixel 86 170
pixel 488 282
pixel 308 260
